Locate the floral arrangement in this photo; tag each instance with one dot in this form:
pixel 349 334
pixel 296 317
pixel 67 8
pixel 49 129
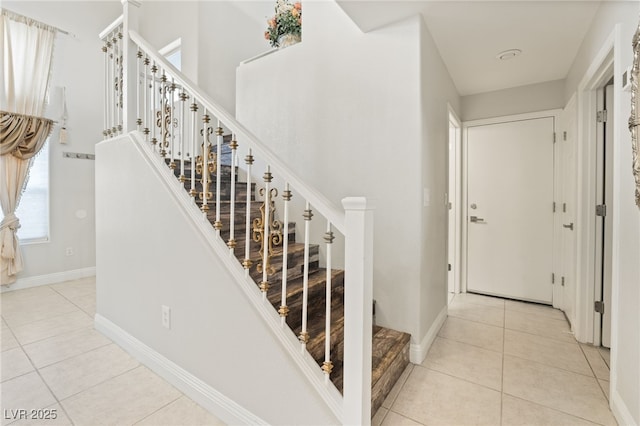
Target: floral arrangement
pixel 287 20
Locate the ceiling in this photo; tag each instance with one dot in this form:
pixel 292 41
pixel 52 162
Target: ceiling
pixel 470 34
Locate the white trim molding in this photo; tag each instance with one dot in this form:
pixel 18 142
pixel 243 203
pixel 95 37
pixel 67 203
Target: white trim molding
pixel 418 352
pixel 218 404
pixel 54 278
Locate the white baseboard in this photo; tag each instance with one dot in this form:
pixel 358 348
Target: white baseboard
pixel 222 407
pixel 55 278
pixel 417 353
pixel 621 411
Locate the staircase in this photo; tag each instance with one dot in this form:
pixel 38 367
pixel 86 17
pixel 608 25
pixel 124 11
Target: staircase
pixel 390 354
pixel 177 122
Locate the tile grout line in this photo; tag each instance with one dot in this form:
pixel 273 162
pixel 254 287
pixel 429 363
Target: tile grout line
pixel 37 371
pixel 553 409
pixel 161 408
pixel 459 378
pixel 594 375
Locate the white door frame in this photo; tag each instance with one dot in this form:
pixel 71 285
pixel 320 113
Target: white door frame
pixel 605 65
pixel 555 113
pixel 454 196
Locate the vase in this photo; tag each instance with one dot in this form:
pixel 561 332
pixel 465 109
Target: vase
pixel 288 39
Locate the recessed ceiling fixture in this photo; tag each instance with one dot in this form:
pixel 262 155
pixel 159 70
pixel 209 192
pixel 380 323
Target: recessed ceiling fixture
pixel 508 54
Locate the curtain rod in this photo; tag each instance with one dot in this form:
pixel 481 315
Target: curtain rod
pixel 18 15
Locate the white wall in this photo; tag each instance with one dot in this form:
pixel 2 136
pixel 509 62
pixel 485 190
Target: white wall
pixel 216 37
pixel 625 392
pixel 437 90
pixel 162 22
pixel 345 110
pixel 78 66
pixel 190 277
pixel 517 100
pixel 229 32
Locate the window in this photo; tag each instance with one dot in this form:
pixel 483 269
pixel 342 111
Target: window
pixel 173 53
pixel 33 210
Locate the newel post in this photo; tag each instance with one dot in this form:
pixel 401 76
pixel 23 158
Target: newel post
pixel 130 14
pixel 358 315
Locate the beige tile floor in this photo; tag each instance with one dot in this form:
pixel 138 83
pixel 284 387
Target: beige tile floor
pixel 55 363
pixel 494 362
pixel 501 362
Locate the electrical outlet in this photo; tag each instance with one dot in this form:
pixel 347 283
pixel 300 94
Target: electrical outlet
pixel 69 251
pixel 166 317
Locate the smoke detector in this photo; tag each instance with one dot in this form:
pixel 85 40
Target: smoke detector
pixel 508 54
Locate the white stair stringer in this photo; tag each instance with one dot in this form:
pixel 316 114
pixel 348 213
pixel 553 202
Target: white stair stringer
pixel 222 329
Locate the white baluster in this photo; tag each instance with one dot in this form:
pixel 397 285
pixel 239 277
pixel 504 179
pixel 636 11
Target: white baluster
pixel 247 248
pixel 284 309
pixel 147 94
pixel 219 140
pixel 327 366
pixel 105 122
pixel 172 155
pixel 183 103
pixel 304 336
pixel 138 83
pixel 194 111
pixel 232 210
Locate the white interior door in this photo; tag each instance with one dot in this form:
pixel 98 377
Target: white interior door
pixel 607 199
pixel 510 209
pixel 567 211
pixel 453 196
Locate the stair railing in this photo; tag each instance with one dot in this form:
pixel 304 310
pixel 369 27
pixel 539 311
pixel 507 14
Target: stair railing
pixel 146 93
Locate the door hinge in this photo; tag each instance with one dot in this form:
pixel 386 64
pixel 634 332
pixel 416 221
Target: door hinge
pixel 449 266
pixel 553 278
pixel 601 210
pixel 601 116
pixel 564 136
pixel 562 282
pixel 564 207
pixel 554 137
pixel 554 206
pixel 598 306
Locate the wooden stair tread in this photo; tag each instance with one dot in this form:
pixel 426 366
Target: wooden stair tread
pixel 390 348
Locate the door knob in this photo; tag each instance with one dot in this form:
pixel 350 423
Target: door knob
pixel 476 219
pixel 569 226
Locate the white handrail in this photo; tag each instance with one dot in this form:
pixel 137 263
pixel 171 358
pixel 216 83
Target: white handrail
pixel 323 205
pixel 112 26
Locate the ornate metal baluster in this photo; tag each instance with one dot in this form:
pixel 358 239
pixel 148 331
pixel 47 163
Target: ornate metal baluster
pixel 327 365
pixel 114 87
pixel 232 209
pixel 154 70
pixel 246 263
pixel 267 230
pixel 120 100
pixel 304 336
pixel 183 131
pixel 206 164
pixel 284 309
pixel 161 116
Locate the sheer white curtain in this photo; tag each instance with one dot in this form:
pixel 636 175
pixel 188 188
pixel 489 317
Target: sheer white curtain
pixel 27 50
